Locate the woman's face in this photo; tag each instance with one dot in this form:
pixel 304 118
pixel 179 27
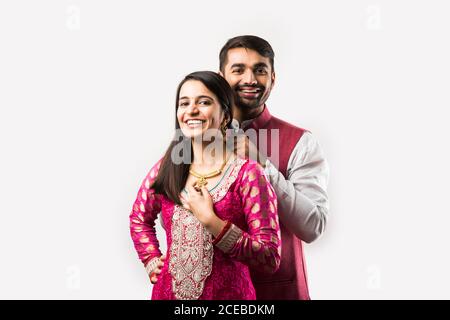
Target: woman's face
pixel 198 109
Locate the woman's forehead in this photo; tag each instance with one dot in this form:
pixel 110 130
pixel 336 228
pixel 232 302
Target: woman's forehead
pixel 195 88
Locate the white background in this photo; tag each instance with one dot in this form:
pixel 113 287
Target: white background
pixel 87 93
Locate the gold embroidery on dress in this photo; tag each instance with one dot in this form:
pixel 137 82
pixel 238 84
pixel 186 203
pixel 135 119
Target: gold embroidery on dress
pixel 191 255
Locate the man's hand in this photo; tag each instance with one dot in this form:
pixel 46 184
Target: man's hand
pixel 245 148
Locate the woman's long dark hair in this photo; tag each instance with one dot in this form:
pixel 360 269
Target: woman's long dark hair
pixel 172 177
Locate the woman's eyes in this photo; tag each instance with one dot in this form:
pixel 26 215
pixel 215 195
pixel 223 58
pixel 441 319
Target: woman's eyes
pixel 201 102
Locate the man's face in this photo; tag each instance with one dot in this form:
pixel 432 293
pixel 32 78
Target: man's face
pixel 250 76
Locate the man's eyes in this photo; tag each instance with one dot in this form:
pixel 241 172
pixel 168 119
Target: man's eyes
pixel 256 71
pixel 261 71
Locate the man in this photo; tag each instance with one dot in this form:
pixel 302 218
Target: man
pixel 299 175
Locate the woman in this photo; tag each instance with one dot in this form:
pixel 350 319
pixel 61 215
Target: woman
pixel 219 210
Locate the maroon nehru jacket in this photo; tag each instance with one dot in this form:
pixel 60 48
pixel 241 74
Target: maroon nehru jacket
pixel 290 281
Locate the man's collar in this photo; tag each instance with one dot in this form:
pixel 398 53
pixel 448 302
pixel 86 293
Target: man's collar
pixel 258 122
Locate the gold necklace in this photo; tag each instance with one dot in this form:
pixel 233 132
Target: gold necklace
pixel 202 177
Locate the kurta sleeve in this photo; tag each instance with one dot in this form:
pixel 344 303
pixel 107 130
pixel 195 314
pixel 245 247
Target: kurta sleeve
pixel 304 205
pixel 260 247
pixel 142 221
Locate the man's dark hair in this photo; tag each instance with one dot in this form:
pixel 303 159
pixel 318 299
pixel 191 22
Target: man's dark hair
pixel 248 42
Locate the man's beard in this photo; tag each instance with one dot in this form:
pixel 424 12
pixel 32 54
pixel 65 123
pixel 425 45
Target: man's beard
pixel 250 103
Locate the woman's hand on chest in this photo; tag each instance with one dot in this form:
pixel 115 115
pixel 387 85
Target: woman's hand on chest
pixel 200 203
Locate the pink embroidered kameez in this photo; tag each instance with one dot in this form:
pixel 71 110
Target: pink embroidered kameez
pixel 195 268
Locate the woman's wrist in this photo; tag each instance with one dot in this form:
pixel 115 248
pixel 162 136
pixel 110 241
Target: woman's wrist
pixel 215 226
pixel 222 233
pixel 151 265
